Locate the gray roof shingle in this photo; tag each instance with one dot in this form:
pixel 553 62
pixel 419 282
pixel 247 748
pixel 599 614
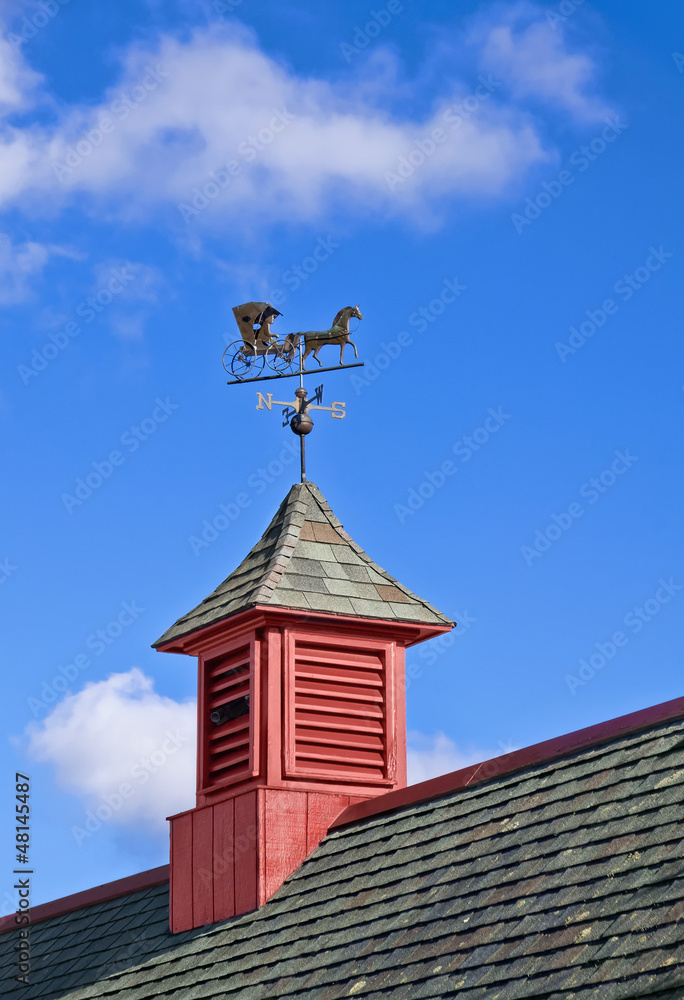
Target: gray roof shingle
pixel 306 560
pixel 564 881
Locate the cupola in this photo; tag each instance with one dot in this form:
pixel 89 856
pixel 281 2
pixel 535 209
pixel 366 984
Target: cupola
pixel 301 706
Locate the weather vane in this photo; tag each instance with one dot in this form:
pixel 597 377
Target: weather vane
pixel 246 359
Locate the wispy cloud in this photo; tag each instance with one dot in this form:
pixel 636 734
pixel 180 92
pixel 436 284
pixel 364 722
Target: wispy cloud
pixel 185 109
pixel 533 57
pixel 20 263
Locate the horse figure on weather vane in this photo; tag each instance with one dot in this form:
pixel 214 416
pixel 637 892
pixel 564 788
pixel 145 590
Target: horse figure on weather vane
pixel 245 359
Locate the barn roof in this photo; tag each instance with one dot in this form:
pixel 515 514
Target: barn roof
pixel 306 561
pixel 547 878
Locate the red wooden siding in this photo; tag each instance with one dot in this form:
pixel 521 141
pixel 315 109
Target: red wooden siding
pixel 229 857
pixel 285 835
pixel 340 724
pixel 321 812
pixel 202 851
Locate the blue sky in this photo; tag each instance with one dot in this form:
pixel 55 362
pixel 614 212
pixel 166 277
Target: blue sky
pixel 497 186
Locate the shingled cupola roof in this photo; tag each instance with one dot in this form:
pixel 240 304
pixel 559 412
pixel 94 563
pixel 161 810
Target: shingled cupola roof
pixel 306 561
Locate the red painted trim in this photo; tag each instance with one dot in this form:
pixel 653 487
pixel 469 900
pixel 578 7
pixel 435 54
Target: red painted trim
pixel 539 753
pixel 258 616
pixel 100 894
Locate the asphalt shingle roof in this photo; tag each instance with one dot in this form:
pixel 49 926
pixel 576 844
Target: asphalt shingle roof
pixel 305 560
pixel 564 881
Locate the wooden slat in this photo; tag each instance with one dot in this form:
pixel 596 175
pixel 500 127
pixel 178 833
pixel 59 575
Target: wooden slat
pixel 181 874
pixel 202 867
pixel 307 704
pixel 229 760
pixel 229 741
pixel 246 833
pixel 321 769
pixel 336 739
pixel 371 678
pixel 231 695
pixel 234 658
pixel 233 665
pixel 228 683
pixel 338 657
pixel 367 758
pixel 224 860
pixel 344 692
pixel 344 723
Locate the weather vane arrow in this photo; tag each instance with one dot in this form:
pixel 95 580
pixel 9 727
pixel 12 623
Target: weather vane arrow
pixel 245 359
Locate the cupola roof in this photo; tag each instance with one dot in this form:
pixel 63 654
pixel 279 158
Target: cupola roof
pixel 306 561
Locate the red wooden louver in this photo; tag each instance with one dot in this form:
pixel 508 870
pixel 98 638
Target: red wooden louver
pixel 336 710
pixel 229 748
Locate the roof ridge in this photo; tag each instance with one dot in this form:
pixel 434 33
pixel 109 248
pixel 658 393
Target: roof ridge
pixel 517 760
pixel 125 886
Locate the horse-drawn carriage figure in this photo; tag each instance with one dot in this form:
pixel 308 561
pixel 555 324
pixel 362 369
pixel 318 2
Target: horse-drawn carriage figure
pixel 245 359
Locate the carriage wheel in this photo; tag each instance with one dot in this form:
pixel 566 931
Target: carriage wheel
pixel 242 361
pixel 282 363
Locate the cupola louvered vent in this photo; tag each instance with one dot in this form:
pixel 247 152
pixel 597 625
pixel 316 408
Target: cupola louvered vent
pixel 338 720
pixel 228 683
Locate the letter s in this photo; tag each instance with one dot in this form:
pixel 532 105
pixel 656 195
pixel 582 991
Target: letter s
pixel 631 621
pixel 291 280
pixel 579 161
pixel 620 288
pixel 119 109
pixel 429 655
pixel 588 493
pixel 131 442
pixel 249 152
pixel 87 314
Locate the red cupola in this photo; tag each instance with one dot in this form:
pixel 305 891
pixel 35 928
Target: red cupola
pixel 301 708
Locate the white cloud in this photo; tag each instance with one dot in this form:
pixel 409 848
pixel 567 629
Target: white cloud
pixel 121 732
pixel 430 756
pixel 20 263
pixel 534 61
pixel 186 107
pixel 17 80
